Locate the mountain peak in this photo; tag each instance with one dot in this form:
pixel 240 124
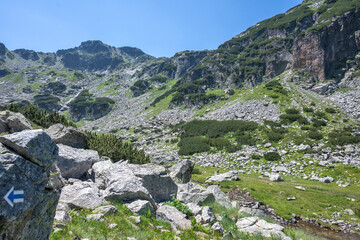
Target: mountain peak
pixel 94 46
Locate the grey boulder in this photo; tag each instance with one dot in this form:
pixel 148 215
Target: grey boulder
pixel 129 182
pixel 193 193
pixel 107 210
pixel 82 195
pixel 220 196
pixel 207 216
pixel 228 176
pixel 32 218
pixel 275 177
pixel 62 213
pixel 173 216
pixel 67 135
pixel 13 122
pixel 73 162
pixel 181 172
pixel 99 172
pixel 34 145
pixel 141 207
pixel 255 225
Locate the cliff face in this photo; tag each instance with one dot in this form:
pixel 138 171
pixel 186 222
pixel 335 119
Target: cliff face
pixel 324 53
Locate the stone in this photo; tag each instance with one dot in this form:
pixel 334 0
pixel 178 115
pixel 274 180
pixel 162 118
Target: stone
pixel 99 171
pixel 82 195
pixel 129 182
pixel 349 211
pixel 34 145
pixel 174 217
pixel 300 188
pixel 207 216
pixel 220 196
pixel 326 180
pixel 136 219
pixel 62 213
pixel 106 210
pixel 280 169
pixel 291 198
pixel 33 217
pixel 67 135
pixel 193 193
pixel 96 217
pixel 275 177
pixel 247 211
pixel 267 145
pixel 194 208
pixel 112 225
pixel 228 176
pixel 218 228
pixel 323 163
pixel 74 162
pixel 181 172
pixel 13 122
pixel 141 207
pixel 255 225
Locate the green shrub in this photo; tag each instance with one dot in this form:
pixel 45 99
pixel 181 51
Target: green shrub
pixel 111 146
pixel 292 111
pixel 274 136
pixel 179 206
pixel 290 117
pixel 303 121
pixel 39 116
pixel 245 138
pixel 191 145
pixel 343 137
pixel 318 123
pixel 272 156
pixel 307 109
pixel 315 135
pixel 320 114
pixel 330 110
pixel 213 128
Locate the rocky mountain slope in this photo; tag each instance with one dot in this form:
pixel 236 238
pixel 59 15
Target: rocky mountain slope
pixel 279 101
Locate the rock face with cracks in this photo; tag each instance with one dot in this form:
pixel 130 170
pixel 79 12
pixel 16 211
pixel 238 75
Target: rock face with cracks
pixel 25 160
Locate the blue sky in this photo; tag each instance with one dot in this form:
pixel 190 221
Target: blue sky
pixel 158 27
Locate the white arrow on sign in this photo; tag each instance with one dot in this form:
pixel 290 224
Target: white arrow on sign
pixel 14 196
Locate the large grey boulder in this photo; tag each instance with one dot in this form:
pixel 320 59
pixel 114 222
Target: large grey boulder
pixel 207 216
pixel 74 162
pixel 13 122
pixel 129 182
pixel 228 176
pixel 67 135
pixel 107 210
pixel 255 225
pixel 181 172
pixel 194 193
pixel 31 218
pixel 220 196
pixel 82 195
pixel 141 207
pixel 173 216
pixel 62 213
pixel 99 172
pixel 34 145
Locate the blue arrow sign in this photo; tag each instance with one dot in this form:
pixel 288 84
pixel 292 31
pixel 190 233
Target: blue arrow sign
pixel 14 196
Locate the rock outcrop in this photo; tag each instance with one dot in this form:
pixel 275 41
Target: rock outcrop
pixel 13 122
pixel 28 197
pixel 73 162
pixel 67 135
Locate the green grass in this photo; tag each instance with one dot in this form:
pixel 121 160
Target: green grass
pixel 315 199
pixel 159 107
